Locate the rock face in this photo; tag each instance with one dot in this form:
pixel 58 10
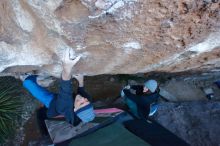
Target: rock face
pixel 195 122
pixel 112 36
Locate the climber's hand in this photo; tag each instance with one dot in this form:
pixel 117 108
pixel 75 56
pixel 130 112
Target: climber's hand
pixel 68 64
pixel 80 79
pixel 69 60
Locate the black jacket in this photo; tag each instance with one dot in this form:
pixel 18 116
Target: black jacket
pixel 63 103
pixel 143 101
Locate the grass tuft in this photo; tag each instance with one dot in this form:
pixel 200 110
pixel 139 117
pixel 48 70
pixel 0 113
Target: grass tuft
pixel 10 106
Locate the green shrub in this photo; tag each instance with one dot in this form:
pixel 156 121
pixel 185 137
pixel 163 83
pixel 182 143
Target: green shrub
pixel 10 106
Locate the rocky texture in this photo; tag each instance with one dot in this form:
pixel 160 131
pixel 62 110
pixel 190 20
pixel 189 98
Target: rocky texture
pixel 112 36
pixel 191 88
pixel 195 122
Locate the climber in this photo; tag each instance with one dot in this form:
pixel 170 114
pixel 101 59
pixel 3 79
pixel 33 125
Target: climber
pixel 75 108
pixel 142 99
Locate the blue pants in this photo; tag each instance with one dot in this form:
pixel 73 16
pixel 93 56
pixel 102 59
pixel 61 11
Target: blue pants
pixel 43 95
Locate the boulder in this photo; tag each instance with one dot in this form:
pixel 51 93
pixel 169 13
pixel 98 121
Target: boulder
pixel 112 36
